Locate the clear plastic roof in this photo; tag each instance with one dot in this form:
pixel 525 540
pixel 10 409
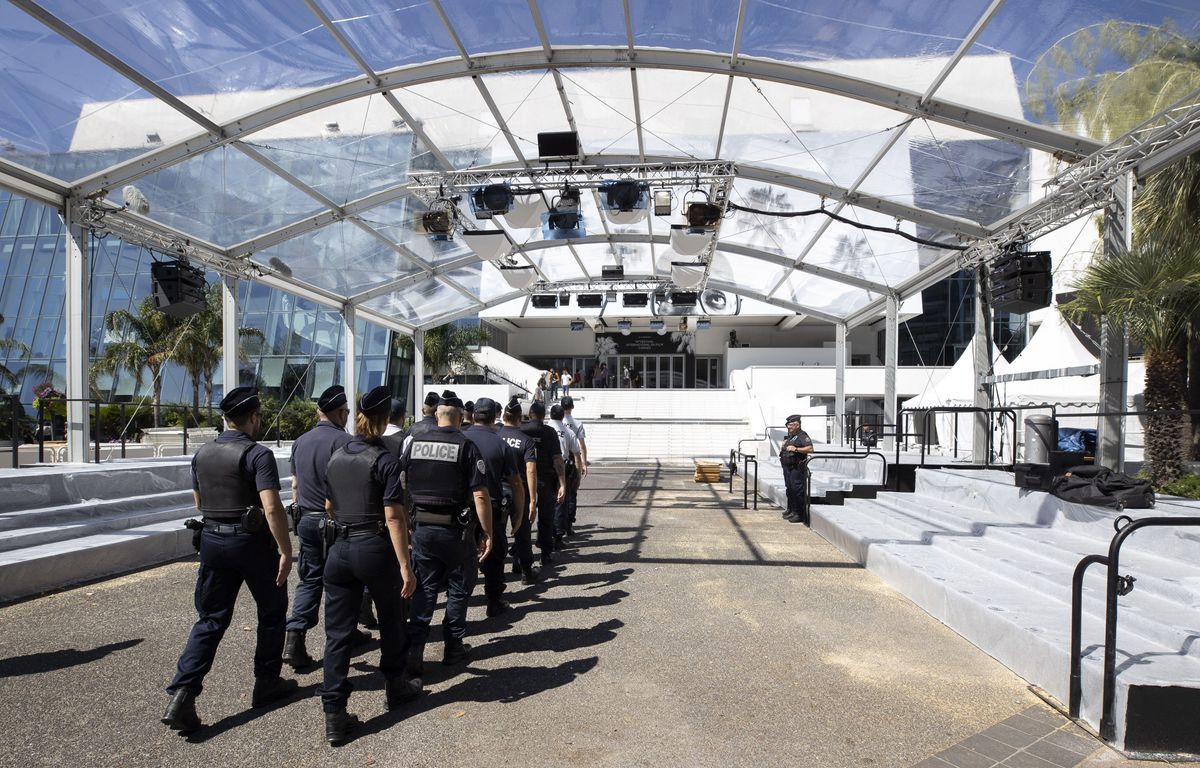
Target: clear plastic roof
pixel 288 132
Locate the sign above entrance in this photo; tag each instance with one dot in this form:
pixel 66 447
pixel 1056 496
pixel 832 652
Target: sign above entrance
pixel 609 344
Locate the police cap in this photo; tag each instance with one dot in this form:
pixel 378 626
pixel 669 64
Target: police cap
pixel 398 409
pixel 568 402
pixel 469 406
pixel 537 409
pixel 332 399
pixel 514 407
pixel 485 407
pixel 557 412
pixel 451 399
pixel 376 403
pixel 240 401
pixel 794 417
pixel 433 399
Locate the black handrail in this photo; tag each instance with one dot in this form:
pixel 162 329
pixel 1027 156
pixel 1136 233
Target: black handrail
pixel 1002 412
pixel 490 372
pixel 749 457
pixel 1116 586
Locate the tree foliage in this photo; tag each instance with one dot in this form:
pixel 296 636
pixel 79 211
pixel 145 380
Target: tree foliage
pixel 142 342
pixel 447 348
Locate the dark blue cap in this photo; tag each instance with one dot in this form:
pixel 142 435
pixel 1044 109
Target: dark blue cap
pixel 240 401
pixel 486 407
pixel 451 399
pixel 376 402
pixel 332 399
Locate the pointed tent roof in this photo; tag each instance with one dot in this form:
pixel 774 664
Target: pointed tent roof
pixel 957 387
pixel 1056 346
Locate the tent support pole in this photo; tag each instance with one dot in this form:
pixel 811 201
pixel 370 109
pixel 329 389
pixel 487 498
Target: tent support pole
pixel 891 346
pixel 983 367
pixel 839 398
pixel 1114 346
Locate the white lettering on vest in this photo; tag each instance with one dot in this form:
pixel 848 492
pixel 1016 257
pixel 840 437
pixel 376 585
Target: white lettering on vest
pixel 447 452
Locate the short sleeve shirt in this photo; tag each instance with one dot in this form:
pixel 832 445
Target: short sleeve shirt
pixel 566 438
pixel 500 460
pixel 576 427
pixel 258 461
pixel 546 441
pixel 310 461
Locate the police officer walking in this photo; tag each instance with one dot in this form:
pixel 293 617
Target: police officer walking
pixel 503 468
pixel 445 474
pixel 367 532
pixel 244 539
pixel 793 455
pixel 571 460
pixel 526 450
pixel 310 461
pixel 568 404
pixel 551 477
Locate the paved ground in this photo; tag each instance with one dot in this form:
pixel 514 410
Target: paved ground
pixel 680 631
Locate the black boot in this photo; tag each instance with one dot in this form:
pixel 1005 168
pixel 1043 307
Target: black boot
pixel 791 516
pixel 181 712
pixel 337 725
pixel 531 575
pixel 516 566
pixel 402 689
pixel 415 667
pixel 365 615
pixel 497 607
pixel 456 652
pixel 268 690
pixel 295 655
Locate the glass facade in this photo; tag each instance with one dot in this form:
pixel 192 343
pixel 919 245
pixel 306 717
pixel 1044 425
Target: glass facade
pixel 296 357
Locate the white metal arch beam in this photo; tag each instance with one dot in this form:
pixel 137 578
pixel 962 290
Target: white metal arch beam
pixel 909 102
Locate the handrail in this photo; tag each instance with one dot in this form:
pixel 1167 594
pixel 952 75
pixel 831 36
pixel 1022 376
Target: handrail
pixel 489 371
pixel 1002 412
pixel 1116 585
pixel 749 457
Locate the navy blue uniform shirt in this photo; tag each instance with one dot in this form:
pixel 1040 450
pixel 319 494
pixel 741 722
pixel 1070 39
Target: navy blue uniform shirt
pixel 545 438
pixel 386 471
pixel 499 458
pixel 523 447
pixel 310 461
pixel 258 461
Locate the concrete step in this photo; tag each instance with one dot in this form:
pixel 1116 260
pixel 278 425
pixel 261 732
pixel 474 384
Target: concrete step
pixel 82 511
pixel 32 536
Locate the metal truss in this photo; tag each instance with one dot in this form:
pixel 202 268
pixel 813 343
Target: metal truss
pixel 661 173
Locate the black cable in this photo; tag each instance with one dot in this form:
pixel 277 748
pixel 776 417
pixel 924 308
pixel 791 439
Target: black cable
pixel 851 222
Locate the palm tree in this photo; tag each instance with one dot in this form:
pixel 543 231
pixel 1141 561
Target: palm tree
pixel 198 346
pixel 1153 290
pixel 448 347
pixel 145 342
pixel 8 345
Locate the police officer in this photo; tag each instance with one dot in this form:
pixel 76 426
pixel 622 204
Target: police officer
pixel 551 477
pixel 367 532
pixel 310 459
pixel 244 539
pixel 793 455
pixel 503 468
pixel 445 474
pixel 526 450
pixel 571 460
pixel 568 404
pixel 428 418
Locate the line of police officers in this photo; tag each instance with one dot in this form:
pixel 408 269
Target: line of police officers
pixel 381 516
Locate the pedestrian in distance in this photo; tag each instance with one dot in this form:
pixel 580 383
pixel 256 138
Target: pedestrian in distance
pixel 793 455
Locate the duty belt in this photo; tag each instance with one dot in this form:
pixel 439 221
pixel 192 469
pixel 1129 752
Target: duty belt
pixel 222 527
pixel 359 530
pixel 430 517
pixel 311 512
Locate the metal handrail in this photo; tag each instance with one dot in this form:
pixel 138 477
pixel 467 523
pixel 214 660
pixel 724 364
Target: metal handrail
pixel 1002 412
pixel 749 457
pixel 1116 585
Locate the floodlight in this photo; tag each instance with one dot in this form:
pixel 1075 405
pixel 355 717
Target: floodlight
pixel 625 201
pixel 490 244
pixel 565 219
pixel 689 241
pixel 589 300
pixel 558 146
pixel 635 299
pixel 686 274
pixel 610 295
pixel 662 202
pixel 704 214
pixel 612 272
pixel 658 325
pixel 564 298
pixel 544 300
pixel 492 200
pixel 684 298
pixel 525 211
pixel 578 325
pixel 624 326
pixel 518 277
pixel 703 324
pixel 439 221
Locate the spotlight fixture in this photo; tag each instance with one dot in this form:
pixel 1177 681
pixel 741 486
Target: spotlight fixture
pixel 565 219
pixel 589 300
pixel 544 300
pixel 658 324
pixel 624 326
pixel 703 324
pixel 703 214
pixel 625 201
pixel 492 200
pixel 635 299
pixel 662 202
pixel 578 325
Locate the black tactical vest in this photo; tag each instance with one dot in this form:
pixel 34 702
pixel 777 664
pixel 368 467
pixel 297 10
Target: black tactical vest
pixel 435 477
pixel 225 491
pixel 356 495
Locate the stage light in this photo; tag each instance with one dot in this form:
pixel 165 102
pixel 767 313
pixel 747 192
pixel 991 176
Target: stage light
pixel 518 277
pixel 689 241
pixel 684 298
pixel 578 325
pixel 544 300
pixel 658 325
pixel 492 200
pixel 589 300
pixel 624 326
pixel 703 214
pixel 635 299
pixel 489 244
pixel 703 324
pixel 662 202
pixel 565 219
pixel 687 274
pixel 625 201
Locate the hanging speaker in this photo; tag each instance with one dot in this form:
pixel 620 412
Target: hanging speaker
pixel 178 288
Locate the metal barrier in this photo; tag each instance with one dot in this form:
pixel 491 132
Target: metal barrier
pixel 906 414
pixel 749 458
pixel 1117 585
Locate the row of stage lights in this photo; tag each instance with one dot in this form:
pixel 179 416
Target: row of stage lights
pixel 625 327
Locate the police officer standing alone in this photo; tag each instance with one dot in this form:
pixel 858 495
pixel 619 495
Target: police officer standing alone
pixel 367 531
pixel 551 478
pixel 244 539
pixel 526 450
pixel 793 455
pixel 445 474
pixel 503 468
pixel 310 460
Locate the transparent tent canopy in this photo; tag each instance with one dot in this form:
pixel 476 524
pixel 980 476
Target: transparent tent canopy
pixel 291 136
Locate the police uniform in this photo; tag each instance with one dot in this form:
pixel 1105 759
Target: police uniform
pixel 443 468
pixel 546 441
pixel 425 423
pixel 236 546
pixel 310 461
pixel 573 480
pixel 795 474
pixel 363 477
pixel 526 450
pixel 569 446
pixel 501 463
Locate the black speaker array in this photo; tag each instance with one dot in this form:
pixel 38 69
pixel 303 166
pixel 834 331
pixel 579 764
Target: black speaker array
pixel 1022 281
pixel 178 288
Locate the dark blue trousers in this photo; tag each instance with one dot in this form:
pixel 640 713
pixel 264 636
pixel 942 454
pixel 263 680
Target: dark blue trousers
pixel 546 512
pixel 564 514
pixel 306 603
pixel 367 561
pixel 493 565
pixel 226 561
pixel 522 543
pixel 795 480
pixel 441 558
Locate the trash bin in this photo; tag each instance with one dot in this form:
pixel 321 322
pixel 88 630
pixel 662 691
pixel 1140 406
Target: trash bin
pixel 1041 437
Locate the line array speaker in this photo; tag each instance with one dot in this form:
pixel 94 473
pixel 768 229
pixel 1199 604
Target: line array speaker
pixel 178 288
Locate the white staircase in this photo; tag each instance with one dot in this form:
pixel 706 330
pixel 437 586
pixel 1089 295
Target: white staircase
pixel 508 368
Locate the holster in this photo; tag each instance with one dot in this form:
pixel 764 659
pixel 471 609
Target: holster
pixel 468 522
pixel 253 520
pixel 294 512
pixel 196 526
pixel 328 531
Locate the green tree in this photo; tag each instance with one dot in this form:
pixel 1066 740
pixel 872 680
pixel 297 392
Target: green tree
pixel 198 346
pixel 143 341
pixel 8 345
pixel 1153 290
pixel 448 348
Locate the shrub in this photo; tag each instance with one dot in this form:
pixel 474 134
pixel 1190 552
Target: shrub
pixel 1187 486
